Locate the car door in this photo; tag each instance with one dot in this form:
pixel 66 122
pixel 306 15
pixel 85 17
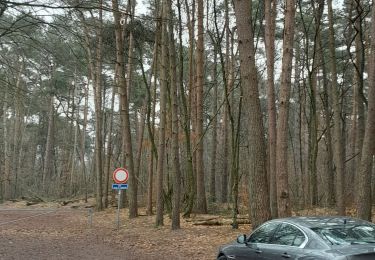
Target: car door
pixel 286 243
pixel 253 249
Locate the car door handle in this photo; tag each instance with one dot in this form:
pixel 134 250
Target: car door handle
pixel 286 255
pixel 258 251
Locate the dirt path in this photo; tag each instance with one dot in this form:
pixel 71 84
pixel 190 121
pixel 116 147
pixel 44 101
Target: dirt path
pixel 56 234
pixel 66 234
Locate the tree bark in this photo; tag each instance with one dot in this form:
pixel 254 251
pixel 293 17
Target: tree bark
pixel 283 197
pixel 358 96
pixel 270 27
pixel 151 115
pixel 201 206
pixel 257 165
pixel 364 202
pixel 163 115
pixel 174 81
pixel 214 140
pixel 314 122
pixel 190 191
pixel 330 187
pixel 337 128
pixel 133 181
pixel 99 114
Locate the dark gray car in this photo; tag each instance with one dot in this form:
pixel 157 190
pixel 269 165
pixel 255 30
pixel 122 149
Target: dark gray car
pixel 305 238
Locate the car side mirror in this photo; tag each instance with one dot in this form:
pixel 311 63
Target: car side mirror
pixel 242 239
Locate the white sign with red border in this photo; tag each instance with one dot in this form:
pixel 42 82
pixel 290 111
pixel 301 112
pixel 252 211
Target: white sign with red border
pixel 120 175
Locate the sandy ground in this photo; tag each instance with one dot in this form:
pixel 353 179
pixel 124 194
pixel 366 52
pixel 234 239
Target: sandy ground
pixel 66 233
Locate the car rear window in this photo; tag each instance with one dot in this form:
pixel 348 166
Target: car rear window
pixel 288 235
pixel 346 234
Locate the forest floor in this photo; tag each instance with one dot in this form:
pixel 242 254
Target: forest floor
pixel 52 231
pixel 75 231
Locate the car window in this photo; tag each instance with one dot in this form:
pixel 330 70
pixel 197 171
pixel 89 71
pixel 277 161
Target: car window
pixel 264 233
pixel 288 235
pixel 347 234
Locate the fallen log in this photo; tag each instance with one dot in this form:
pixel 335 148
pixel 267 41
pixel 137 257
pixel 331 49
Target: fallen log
pixel 212 222
pixel 30 203
pixel 220 222
pixel 32 199
pixel 201 219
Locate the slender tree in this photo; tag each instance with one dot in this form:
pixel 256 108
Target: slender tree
pixel 337 128
pixel 163 116
pixel 188 124
pixel 6 175
pixel 364 202
pixel 283 197
pixel 174 81
pixel 270 27
pixel 201 192
pixel 133 179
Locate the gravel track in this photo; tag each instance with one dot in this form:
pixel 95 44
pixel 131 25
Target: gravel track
pixel 56 234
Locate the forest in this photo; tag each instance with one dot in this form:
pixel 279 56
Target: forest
pixel 256 107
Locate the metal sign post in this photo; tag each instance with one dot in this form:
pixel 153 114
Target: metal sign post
pixel 118 209
pixel 120 176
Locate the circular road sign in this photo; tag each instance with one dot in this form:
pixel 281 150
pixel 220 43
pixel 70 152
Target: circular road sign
pixel 120 175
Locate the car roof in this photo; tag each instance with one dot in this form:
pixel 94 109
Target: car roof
pixel 322 221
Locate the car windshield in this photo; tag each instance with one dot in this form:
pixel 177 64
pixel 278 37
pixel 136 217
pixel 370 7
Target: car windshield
pixel 347 234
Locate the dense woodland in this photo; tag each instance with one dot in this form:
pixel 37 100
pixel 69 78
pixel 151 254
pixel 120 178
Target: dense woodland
pixel 260 107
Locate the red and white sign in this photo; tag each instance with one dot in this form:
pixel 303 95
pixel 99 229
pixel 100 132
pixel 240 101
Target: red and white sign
pixel 120 175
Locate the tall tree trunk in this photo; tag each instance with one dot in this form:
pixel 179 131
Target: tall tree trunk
pixel 151 126
pixel 360 69
pixel 174 81
pixel 190 172
pixel 364 201
pixel 313 127
pixel 228 81
pixel 124 105
pixel 163 116
pixel 283 197
pixel 259 202
pixel 201 206
pixel 133 182
pixel 6 177
pixel 151 96
pixel 214 140
pixel 99 114
pixel 352 149
pixel 270 27
pixel 330 192
pixel 359 100
pixel 337 130
pixel 299 186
